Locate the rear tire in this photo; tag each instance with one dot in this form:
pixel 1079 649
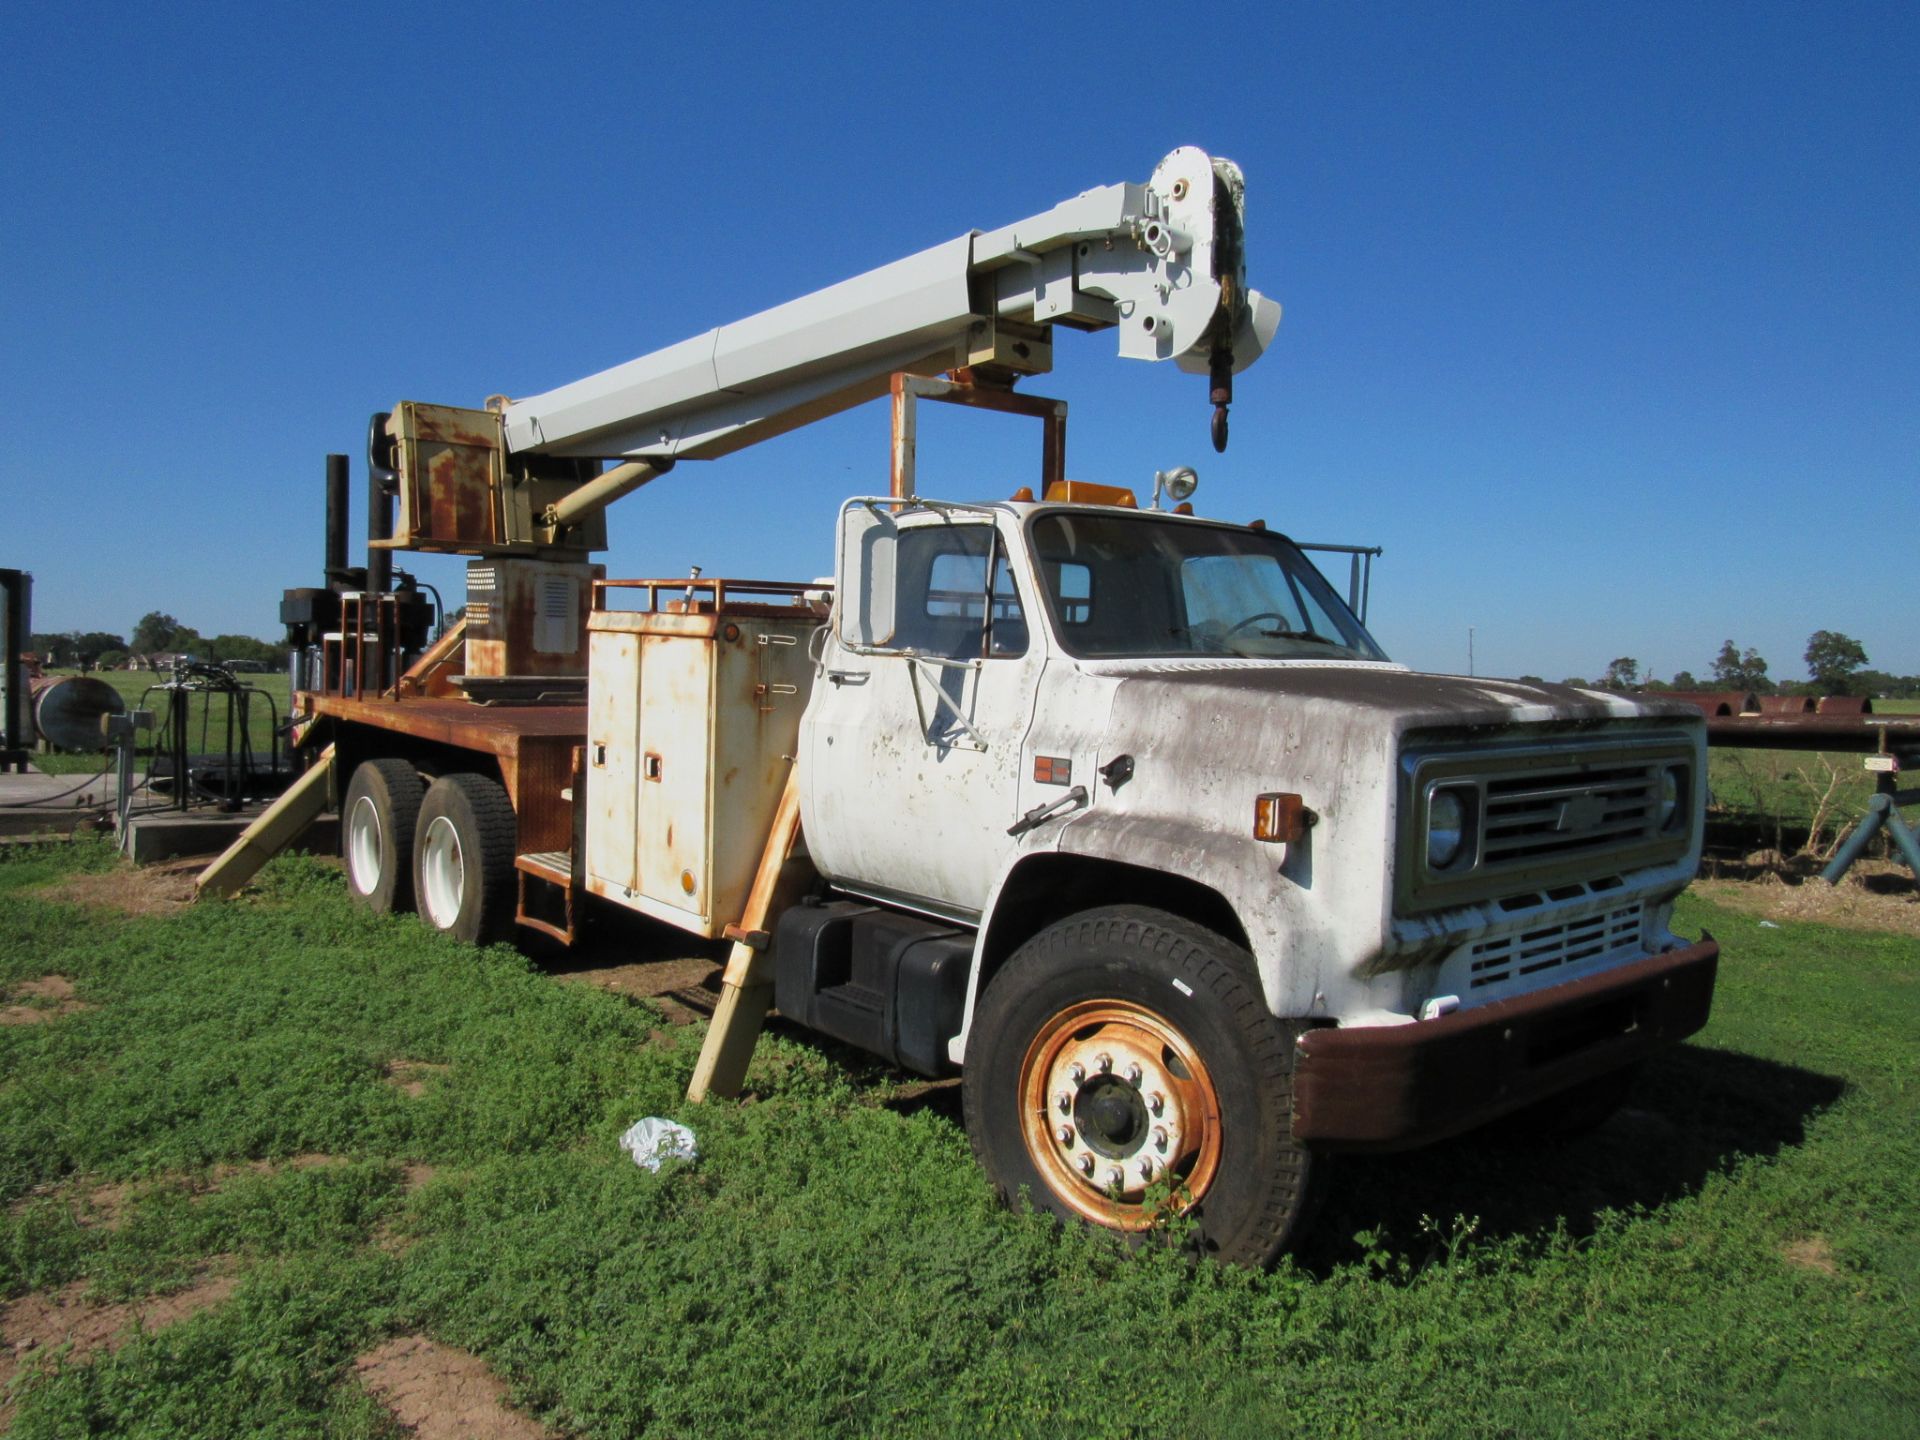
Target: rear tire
pixel 377 821
pixel 463 849
pixel 1123 1069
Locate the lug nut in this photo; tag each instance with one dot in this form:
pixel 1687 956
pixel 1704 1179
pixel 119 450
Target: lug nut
pixel 1065 1101
pixel 1146 1167
pixel 1085 1163
pixel 1159 1137
pixel 1156 1102
pixel 1064 1135
pixel 1076 1072
pixel 1116 1177
pixel 1104 1061
pixel 1134 1072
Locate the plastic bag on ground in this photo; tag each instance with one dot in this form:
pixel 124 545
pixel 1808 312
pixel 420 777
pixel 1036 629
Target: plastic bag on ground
pixel 653 1139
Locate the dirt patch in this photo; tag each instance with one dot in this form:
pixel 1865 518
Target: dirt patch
pixel 409 1077
pixel 105 1205
pixel 439 1393
pixel 146 890
pixel 1869 898
pixel 389 1236
pixel 35 1327
pixel 35 1002
pixel 414 1176
pixel 1812 1253
pixel 686 990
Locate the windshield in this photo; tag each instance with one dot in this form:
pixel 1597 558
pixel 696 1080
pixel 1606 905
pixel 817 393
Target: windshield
pixel 1134 585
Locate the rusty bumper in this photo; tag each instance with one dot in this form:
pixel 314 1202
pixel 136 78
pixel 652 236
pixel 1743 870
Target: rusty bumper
pixel 1393 1087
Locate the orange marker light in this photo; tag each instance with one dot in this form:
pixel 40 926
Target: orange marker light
pixel 1052 770
pixel 1085 492
pixel 1281 819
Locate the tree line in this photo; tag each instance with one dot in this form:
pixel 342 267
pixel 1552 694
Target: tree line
pixel 1837 664
pixel 157 634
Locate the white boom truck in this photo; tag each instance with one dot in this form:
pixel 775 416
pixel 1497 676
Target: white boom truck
pixel 1118 811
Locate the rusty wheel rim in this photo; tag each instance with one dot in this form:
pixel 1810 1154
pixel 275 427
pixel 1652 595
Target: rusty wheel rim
pixel 1119 1114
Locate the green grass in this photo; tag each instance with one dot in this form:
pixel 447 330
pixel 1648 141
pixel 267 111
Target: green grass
pixel 206 718
pixel 835 1264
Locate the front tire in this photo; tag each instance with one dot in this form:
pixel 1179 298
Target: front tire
pixel 463 850
pixel 377 821
pixel 1123 1068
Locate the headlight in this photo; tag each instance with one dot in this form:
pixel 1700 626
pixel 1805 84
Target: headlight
pixel 1673 794
pixel 1447 818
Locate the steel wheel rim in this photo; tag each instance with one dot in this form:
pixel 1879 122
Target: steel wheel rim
pixel 443 876
pixel 364 845
pixel 1102 1090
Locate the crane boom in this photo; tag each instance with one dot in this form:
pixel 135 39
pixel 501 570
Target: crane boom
pixel 1161 262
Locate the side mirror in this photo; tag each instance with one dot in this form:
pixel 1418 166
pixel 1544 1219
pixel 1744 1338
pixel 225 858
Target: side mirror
pixel 866 579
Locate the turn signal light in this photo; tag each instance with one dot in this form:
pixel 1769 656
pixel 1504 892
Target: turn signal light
pixel 1281 819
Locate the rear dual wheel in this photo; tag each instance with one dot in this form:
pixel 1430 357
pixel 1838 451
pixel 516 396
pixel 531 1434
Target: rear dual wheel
pixel 377 822
pixel 1123 1069
pixel 463 850
pixel 446 848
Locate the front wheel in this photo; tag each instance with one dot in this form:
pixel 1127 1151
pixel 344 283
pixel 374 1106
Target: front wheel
pixel 1123 1069
pixel 463 858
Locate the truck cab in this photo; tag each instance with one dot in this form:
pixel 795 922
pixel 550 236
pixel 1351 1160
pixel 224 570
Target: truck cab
pixel 1079 739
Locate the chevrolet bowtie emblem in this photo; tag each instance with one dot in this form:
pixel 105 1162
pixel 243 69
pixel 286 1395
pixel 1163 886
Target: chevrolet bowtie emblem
pixel 1579 813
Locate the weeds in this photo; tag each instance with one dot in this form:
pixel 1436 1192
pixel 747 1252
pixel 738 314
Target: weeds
pixel 832 1266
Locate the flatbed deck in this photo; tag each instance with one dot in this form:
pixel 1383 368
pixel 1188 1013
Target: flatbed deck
pixel 501 730
pixel 533 745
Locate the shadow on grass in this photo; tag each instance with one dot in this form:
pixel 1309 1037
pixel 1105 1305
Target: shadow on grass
pixel 1694 1112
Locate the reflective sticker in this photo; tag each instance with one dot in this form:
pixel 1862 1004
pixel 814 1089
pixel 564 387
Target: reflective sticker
pixel 1183 987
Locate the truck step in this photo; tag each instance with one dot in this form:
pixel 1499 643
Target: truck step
pixel 553 866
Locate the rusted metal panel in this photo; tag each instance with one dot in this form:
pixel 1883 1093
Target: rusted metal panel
pixel 1787 705
pixel 678 790
pixel 432 673
pixel 613 760
pixel 695 710
pixel 542 774
pixel 1844 705
pixel 1390 1087
pixel 459 723
pixel 451 467
pixel 528 617
pixel 1716 702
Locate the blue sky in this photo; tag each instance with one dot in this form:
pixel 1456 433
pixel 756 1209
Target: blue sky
pixel 1601 319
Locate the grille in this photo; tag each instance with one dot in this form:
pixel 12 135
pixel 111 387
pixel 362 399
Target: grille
pixel 1553 947
pixel 1561 812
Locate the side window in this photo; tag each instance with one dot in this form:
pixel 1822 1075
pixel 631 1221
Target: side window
pixel 945 607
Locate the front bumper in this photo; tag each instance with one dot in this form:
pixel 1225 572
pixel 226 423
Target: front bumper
pixel 1393 1087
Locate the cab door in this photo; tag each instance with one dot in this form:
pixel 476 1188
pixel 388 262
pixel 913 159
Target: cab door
pixel 912 743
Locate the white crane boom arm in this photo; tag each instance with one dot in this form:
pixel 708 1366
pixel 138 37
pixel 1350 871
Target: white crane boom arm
pixel 1162 262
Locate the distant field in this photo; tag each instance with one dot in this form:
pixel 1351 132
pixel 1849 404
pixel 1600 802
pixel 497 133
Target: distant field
pixel 206 716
